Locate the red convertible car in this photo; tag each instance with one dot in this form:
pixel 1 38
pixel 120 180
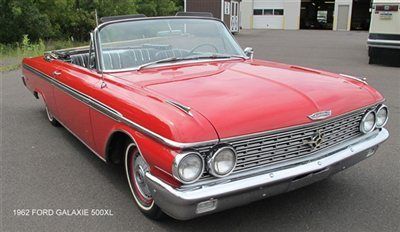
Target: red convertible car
pixel 199 125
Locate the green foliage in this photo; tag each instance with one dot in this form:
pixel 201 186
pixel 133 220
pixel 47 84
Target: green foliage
pixel 22 17
pixel 18 51
pixel 11 55
pixel 70 20
pixel 157 7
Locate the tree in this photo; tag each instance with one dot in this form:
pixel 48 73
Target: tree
pixel 22 17
pixel 65 19
pixel 157 7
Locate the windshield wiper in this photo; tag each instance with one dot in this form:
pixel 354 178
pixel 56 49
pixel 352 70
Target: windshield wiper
pixel 176 59
pixel 219 56
pixel 166 60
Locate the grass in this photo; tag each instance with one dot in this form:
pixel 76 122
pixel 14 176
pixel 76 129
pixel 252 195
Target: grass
pixel 11 55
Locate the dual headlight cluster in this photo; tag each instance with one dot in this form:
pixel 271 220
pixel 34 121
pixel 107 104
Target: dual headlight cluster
pixel 188 167
pixel 375 118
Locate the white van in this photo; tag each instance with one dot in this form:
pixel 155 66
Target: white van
pixel 384 32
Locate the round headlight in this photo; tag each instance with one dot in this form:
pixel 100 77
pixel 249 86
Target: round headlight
pixel 382 115
pixel 368 122
pixel 188 167
pixel 222 162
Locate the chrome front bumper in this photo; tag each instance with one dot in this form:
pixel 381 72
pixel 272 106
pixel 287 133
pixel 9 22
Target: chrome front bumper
pixel 382 43
pixel 192 201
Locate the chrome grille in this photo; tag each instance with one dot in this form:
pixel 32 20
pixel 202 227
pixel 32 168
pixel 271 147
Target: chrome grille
pixel 282 145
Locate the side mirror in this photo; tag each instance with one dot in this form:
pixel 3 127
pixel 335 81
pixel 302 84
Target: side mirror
pixel 249 52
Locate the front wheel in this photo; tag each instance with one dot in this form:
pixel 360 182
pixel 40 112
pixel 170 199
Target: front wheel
pixel 50 116
pixel 136 168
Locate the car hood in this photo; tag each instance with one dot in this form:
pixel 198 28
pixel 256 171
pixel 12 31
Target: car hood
pixel 241 98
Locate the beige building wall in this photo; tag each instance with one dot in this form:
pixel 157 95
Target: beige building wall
pixel 290 20
pixel 292 14
pixel 336 13
pixel 246 14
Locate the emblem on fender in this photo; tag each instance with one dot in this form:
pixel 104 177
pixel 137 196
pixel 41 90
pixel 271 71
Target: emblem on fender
pixel 320 115
pixel 315 141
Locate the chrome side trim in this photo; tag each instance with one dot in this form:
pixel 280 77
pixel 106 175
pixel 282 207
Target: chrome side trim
pixel 183 108
pixel 93 103
pixel 166 141
pixel 115 115
pixel 363 80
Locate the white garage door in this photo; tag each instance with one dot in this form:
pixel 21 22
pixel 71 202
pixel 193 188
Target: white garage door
pixel 268 14
pixel 267 22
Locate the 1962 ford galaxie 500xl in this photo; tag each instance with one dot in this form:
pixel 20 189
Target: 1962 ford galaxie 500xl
pixel 200 125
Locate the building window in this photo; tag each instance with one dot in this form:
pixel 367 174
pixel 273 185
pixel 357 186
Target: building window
pixel 268 11
pixel 278 12
pixel 257 12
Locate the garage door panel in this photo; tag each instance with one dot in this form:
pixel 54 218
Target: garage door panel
pixel 268 22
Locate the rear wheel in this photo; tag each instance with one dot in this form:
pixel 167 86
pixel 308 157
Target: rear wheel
pixel 136 168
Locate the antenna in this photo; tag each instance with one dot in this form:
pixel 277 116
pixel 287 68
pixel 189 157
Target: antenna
pixel 97 18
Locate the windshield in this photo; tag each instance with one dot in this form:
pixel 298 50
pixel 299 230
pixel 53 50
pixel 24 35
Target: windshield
pixel 132 44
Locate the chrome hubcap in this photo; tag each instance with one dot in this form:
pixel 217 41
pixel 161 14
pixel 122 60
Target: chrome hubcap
pixel 140 168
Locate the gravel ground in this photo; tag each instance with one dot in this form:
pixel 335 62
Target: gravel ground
pixel 43 167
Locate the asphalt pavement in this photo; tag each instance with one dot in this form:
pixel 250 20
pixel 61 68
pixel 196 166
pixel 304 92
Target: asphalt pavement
pixel 44 167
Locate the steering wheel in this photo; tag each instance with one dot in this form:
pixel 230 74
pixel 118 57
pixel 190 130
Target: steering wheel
pixel 203 45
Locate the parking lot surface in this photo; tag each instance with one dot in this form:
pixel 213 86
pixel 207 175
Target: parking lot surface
pixel 43 167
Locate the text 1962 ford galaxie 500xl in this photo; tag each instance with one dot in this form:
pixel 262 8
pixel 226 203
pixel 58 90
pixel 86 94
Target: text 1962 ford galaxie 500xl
pixel 200 125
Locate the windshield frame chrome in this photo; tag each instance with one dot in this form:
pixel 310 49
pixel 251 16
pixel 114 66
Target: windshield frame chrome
pixel 98 48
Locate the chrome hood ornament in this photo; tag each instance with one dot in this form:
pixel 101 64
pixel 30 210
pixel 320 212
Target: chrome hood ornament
pixel 320 115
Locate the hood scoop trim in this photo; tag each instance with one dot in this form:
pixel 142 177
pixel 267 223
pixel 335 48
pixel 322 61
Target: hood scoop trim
pixel 181 107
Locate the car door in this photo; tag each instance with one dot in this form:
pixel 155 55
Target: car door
pixel 72 103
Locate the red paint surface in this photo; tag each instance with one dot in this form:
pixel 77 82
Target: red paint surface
pixel 228 98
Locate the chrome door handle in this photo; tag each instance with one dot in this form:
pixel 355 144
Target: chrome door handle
pixel 57 73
